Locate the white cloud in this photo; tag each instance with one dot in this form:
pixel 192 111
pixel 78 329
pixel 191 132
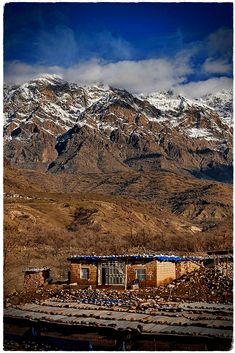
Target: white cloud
pixel 201 88
pixel 18 72
pixel 216 66
pixel 135 76
pixel 142 76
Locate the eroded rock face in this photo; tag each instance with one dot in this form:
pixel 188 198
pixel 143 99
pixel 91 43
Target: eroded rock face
pixel 51 124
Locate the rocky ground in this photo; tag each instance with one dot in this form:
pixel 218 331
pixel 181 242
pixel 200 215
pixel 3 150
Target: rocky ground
pixel 206 284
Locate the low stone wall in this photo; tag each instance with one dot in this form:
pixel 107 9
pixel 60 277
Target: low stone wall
pixel 35 279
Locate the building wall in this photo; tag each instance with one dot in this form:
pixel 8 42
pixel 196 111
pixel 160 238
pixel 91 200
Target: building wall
pixel 157 273
pixel 34 280
pixel 165 272
pixel 75 274
pixel 150 268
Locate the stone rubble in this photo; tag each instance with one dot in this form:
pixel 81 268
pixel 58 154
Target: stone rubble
pixel 206 284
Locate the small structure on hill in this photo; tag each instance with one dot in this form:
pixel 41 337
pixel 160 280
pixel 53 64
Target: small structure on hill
pixel 36 277
pixel 129 270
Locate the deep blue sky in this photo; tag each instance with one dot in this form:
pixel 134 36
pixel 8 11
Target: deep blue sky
pixel 67 34
pixel 151 29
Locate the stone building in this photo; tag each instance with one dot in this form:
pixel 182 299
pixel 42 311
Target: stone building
pixel 127 270
pixel 36 277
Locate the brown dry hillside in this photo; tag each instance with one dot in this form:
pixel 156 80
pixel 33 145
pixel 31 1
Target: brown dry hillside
pixel 48 217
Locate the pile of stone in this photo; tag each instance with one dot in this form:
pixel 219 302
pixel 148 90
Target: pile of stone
pixel 108 298
pixel 206 284
pixel 226 269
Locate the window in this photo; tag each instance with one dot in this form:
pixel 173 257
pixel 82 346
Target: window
pixel 140 274
pixel 84 273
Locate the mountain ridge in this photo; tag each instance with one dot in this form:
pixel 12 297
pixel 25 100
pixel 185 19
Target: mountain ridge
pixel 120 130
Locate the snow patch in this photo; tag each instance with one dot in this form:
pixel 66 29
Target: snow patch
pixel 200 133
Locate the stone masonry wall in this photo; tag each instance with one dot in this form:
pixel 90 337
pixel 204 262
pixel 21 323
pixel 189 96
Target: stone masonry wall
pixel 75 274
pixel 165 272
pixel 33 280
pixel 150 269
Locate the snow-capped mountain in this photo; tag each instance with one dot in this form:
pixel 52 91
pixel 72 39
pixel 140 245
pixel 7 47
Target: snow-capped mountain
pixel 53 124
pixel 171 102
pixel 222 103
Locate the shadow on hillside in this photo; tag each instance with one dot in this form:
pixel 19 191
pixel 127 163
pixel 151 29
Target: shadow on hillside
pixel 219 173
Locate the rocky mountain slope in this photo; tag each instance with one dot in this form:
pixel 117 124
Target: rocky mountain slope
pixel 54 125
pixel 198 202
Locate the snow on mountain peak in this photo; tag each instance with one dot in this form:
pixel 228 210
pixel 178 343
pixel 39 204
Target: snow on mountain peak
pixel 86 105
pixel 222 103
pixel 98 85
pixel 52 79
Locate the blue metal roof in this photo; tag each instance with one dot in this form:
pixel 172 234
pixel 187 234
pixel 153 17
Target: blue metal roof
pixel 95 258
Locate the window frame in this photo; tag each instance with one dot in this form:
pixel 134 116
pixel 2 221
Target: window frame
pixel 82 273
pixel 140 276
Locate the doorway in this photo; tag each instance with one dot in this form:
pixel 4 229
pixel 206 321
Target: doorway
pixel 103 276
pixel 112 272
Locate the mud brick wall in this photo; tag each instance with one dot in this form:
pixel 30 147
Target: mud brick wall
pixel 75 273
pixel 150 269
pixel 178 270
pixel 34 280
pixel 165 272
pixel 184 267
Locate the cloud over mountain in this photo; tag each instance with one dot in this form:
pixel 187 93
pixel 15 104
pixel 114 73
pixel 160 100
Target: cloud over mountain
pixel 142 76
pixel 220 66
